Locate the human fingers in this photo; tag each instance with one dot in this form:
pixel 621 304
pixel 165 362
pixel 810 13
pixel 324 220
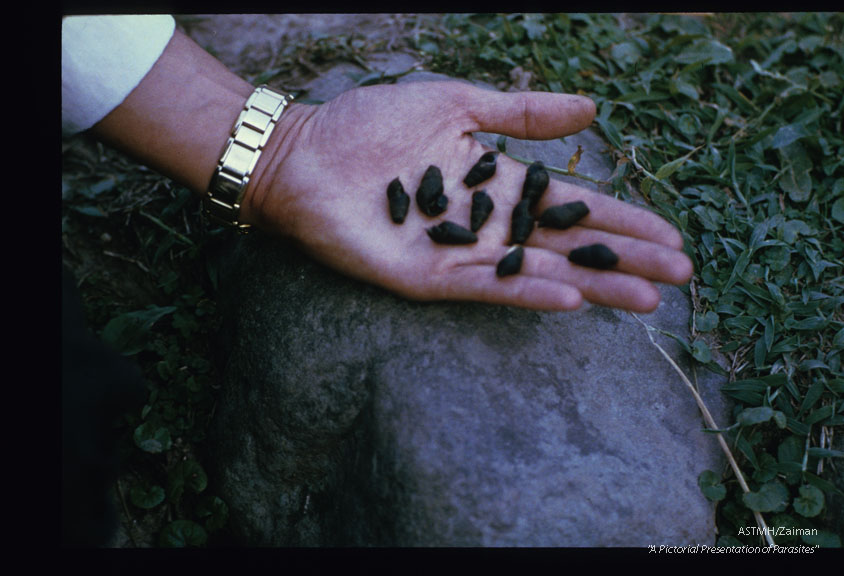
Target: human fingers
pixel 478 282
pixel 529 115
pixel 651 260
pixel 547 281
pixel 614 287
pixel 611 215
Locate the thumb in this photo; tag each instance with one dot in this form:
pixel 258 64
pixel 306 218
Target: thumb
pixel 530 115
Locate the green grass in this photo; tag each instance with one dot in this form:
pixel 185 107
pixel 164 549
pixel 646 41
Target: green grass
pixel 144 263
pixel 730 126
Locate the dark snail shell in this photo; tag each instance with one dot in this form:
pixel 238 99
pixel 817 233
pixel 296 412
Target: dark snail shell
pixel 563 216
pixel 521 222
pixel 511 263
pixel 450 233
pixel 536 182
pixel 430 195
pixel 482 206
pixel 594 256
pixel 399 201
pixel 483 170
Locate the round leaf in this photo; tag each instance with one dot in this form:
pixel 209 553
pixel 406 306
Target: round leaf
pixel 710 485
pixel 700 351
pixel 771 497
pixel 767 468
pixel 823 538
pixel 146 498
pixel 625 53
pixel 215 513
pixel 810 502
pixel 186 474
pixel 182 534
pixel 151 439
pixel 688 124
pixel 708 321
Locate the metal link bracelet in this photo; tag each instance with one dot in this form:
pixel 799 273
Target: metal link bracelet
pixel 259 116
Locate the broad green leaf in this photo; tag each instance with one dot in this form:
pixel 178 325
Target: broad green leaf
pixel 796 179
pixel 711 486
pixel 815 323
pixel 746 391
pixel 810 502
pixel 671 167
pixel 128 333
pixel 625 54
pixel 816 452
pixel 838 339
pixel 705 51
pixel 771 497
pixel 214 512
pixel 146 498
pixel 688 124
pixel 183 534
pixel 681 86
pixel 822 538
pixel 760 354
pixel 534 27
pixel 708 322
pixel 767 469
pixel 792 229
pixel 791 450
pixel 738 269
pixel 797 427
pixel 811 43
pixel 770 332
pixel 823 485
pixel 788 134
pixel 813 394
pixel 611 132
pixel 838 210
pixel 830 79
pixel 700 352
pixel 756 415
pixel 187 474
pixel 150 438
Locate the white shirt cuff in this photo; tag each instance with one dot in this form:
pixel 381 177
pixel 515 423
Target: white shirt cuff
pixel 103 59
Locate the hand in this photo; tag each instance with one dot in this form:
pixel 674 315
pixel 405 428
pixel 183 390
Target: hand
pixel 324 185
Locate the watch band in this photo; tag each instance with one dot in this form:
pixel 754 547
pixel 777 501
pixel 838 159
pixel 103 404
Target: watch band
pixel 259 116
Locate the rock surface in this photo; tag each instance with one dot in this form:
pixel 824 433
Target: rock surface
pixel 351 417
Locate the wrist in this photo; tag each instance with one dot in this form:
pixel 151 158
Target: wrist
pixel 256 122
pixel 268 195
pixel 175 120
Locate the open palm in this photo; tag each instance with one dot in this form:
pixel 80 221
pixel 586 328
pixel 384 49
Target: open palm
pixel 326 180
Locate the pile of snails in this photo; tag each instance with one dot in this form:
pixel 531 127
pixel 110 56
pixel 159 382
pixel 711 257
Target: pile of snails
pixel 432 201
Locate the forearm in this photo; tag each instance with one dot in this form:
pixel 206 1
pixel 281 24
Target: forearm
pixel 177 120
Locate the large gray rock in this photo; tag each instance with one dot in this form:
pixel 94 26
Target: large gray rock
pixel 350 416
